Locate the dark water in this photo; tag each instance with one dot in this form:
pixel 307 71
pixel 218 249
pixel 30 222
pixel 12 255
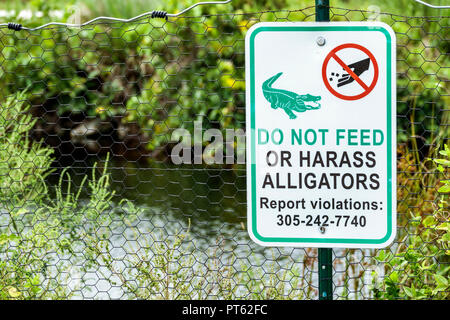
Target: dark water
pixel 211 201
pixel 204 195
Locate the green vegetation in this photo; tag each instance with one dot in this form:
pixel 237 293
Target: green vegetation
pixel 170 269
pixel 164 75
pixel 40 227
pixel 23 246
pixel 419 267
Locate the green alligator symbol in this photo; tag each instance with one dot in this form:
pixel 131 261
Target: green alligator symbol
pixel 287 100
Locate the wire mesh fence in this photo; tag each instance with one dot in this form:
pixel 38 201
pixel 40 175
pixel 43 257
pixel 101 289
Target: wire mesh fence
pixel 92 205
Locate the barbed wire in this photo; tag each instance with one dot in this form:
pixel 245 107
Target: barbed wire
pixel 152 14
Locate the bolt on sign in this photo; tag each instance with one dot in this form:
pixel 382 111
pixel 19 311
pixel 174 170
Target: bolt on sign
pixel 321 134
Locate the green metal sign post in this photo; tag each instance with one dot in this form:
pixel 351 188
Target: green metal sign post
pixel 325 254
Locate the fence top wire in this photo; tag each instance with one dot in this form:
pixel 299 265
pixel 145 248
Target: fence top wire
pixel 142 18
pixel 151 14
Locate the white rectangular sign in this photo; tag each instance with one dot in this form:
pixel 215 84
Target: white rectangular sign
pixel 321 134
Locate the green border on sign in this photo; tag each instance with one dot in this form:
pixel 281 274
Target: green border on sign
pixel 389 129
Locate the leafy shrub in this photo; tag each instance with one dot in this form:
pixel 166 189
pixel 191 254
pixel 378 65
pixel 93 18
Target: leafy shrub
pixel 169 269
pixel 419 268
pixel 37 228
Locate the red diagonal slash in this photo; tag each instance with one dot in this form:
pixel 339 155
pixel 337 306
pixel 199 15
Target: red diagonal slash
pixel 367 88
pixel 350 72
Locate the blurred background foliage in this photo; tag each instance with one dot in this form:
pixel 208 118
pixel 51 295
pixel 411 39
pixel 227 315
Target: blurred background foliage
pixel 159 76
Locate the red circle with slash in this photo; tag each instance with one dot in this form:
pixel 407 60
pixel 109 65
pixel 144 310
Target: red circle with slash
pixel 367 88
